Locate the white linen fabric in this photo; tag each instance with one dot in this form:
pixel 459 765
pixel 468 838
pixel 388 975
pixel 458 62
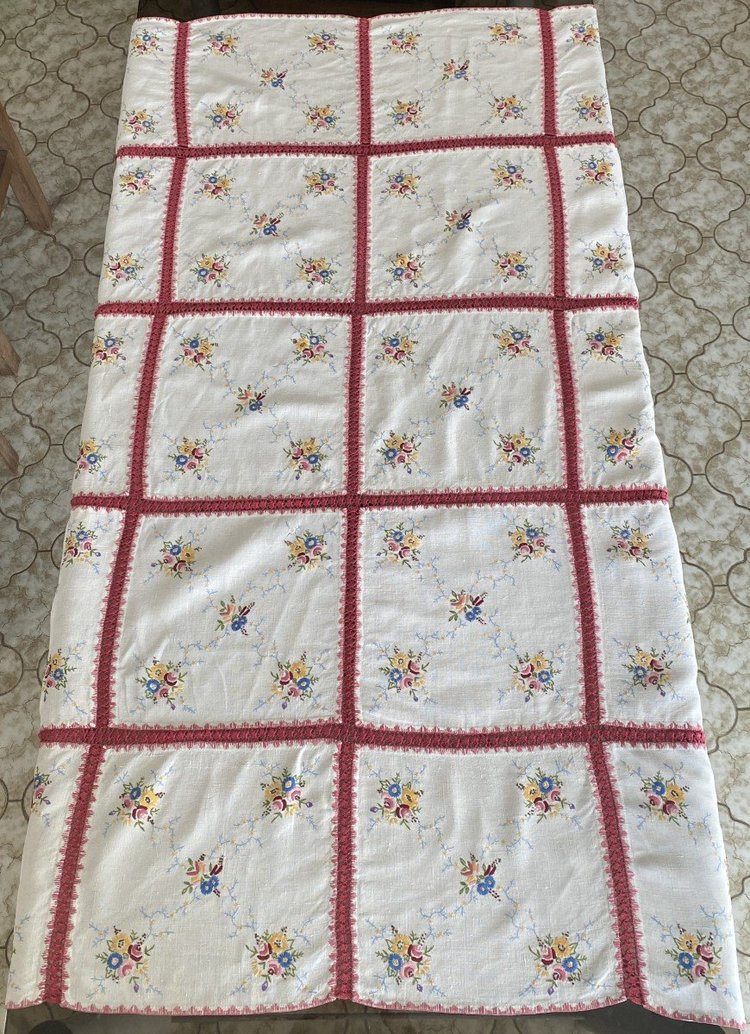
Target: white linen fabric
pixel 371 674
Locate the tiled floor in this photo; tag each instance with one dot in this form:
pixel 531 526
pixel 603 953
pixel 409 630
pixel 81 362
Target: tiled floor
pixel 677 74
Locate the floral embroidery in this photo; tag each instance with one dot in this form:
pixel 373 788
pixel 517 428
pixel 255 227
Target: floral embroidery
pixel 306 551
pixel 311 347
pixel 222 44
pixel 632 543
pixel 603 345
pixel 650 670
pixel 56 672
pixel 583 32
pixel 406 113
pixel 506 108
pixel 518 450
pixel 591 108
pixel 597 171
pixel 225 116
pixel 404 42
pixel 233 616
pixel 406 957
pixel 106 350
pixel 274 79
pixel 139 802
pixel 203 877
pixel 506 32
pixel 265 225
pixel 453 70
pixel 211 269
pixel 191 457
pixel 399 801
pixel 529 542
pixel 122 268
pixel 464 605
pixel 543 795
pixel 322 182
pixel 397 349
pixel 512 265
pixel 478 877
pixel 78 546
pixel 139 123
pixel 215 184
pixel 509 175
pixel 293 680
pixel 177 557
pixel 316 271
pixel 274 955
pixel 163 680
pixel 322 42
pixel 665 798
pixel 136 182
pixel 533 675
pixel 406 267
pixel 306 454
pixel 621 447
pixel 558 960
pixel 322 117
pixel 40 782
pixel 455 221
pixel 515 341
pixel 249 400
pixel 282 797
pixel 400 450
pixel 606 258
pixel 406 671
pixel 453 396
pixel 196 351
pixel 126 957
pixel 90 457
pixel 145 43
pixel 696 956
pixel 401 545
pixel 401 184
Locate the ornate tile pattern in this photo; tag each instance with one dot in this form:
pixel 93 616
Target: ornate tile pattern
pixel 674 70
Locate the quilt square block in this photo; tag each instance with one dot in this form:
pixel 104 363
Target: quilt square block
pixel 646 644
pixel 244 88
pixel 147 110
pixel 117 351
pixel 249 405
pixel 436 74
pixel 233 639
pixel 582 103
pixel 456 223
pixel 467 922
pixel 458 569
pixel 460 399
pixel 266 226
pixel 687 948
pixel 618 435
pixel 599 256
pixel 89 548
pixel 222 869
pixel 131 265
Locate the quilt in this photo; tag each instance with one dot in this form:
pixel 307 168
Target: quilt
pixel 371 674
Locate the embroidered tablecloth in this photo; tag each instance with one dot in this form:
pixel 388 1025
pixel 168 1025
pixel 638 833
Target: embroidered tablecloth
pixel 371 675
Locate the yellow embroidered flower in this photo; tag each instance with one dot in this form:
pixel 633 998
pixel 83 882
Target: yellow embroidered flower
pixel 561 946
pixel 400 660
pixel 399 943
pixel 675 793
pixel 148 798
pixel 119 943
pixel 298 670
pixel 157 671
pixel 272 790
pixel 409 797
pixel 279 942
pixel 539 661
pixel 189 553
pixel 531 792
pixel 688 942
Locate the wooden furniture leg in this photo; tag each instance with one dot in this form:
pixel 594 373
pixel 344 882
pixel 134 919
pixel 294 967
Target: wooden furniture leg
pixel 9 358
pixel 23 182
pixel 8 456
